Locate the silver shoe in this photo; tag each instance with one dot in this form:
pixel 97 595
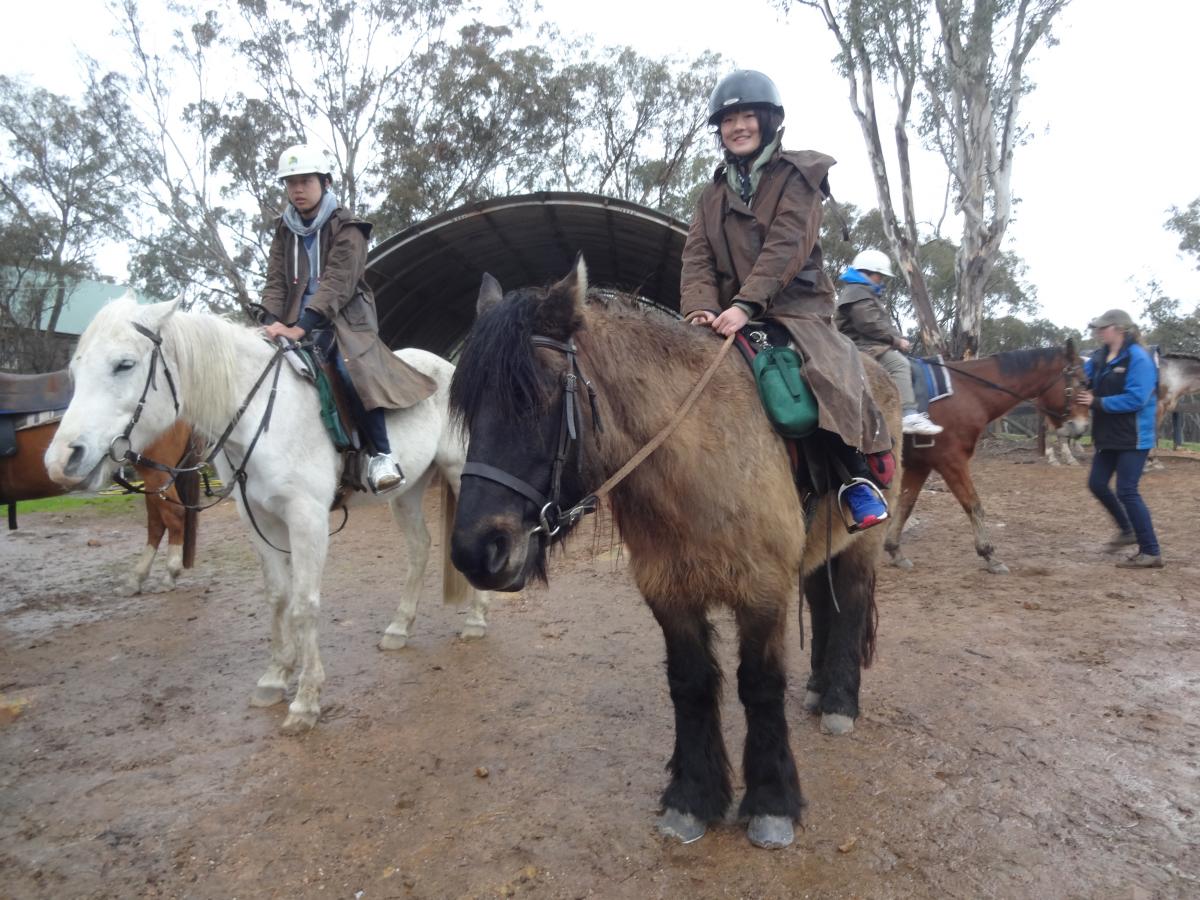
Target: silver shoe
pixel 383 474
pixel 919 423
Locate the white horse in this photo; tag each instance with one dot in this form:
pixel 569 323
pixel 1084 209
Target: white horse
pixel 209 367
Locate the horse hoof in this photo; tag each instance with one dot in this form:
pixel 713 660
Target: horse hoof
pixel 902 562
pixel 997 568
pixel 129 589
pixel 771 832
pixel 298 723
pixel 393 642
pixel 473 632
pixel 266 696
pixel 836 723
pixel 812 701
pixel 682 826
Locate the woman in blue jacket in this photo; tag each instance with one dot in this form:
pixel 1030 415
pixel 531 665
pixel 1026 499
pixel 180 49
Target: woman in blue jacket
pixel 1122 397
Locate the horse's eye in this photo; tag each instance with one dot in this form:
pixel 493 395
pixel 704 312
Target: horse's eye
pixel 124 366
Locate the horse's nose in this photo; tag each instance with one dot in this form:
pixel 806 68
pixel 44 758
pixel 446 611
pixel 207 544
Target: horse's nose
pixel 483 558
pixel 496 552
pixel 75 460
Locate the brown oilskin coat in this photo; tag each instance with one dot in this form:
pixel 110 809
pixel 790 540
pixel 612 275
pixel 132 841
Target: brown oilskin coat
pixel 344 298
pixel 767 254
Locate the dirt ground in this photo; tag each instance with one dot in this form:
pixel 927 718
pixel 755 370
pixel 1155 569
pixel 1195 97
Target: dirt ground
pixel 1035 735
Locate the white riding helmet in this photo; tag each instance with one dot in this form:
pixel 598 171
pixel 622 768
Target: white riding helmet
pixel 305 159
pixel 873 261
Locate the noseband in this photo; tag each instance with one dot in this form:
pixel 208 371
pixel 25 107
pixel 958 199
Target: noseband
pixel 552 518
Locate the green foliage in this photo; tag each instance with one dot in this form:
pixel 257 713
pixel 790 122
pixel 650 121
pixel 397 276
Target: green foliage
pixel 1169 327
pixel 1186 223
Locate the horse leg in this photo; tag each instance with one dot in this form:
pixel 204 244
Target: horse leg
pixel 409 515
pixel 309 544
pixel 699 791
pixel 272 686
pixel 155 528
pixel 455 587
pixel 958 479
pixel 910 489
pixel 172 516
pixel 772 801
pixel 843 633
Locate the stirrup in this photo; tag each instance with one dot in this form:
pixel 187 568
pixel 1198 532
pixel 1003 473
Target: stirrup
pixel 844 507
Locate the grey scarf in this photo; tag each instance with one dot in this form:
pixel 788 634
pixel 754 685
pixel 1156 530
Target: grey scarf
pixel 291 218
pixel 744 184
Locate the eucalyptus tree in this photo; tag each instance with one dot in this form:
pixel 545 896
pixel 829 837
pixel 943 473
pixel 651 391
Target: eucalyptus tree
pixel 963 62
pixel 62 193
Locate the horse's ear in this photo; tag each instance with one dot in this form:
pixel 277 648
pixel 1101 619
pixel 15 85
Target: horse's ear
pixel 154 315
pixel 1069 349
pixel 490 293
pixel 561 311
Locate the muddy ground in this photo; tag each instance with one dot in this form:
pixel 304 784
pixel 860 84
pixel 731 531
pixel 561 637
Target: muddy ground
pixel 1035 735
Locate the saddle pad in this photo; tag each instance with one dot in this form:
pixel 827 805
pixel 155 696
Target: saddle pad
pixel 931 380
pixel 11 423
pixel 305 362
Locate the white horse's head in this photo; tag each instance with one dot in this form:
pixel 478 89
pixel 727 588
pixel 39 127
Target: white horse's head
pixel 111 370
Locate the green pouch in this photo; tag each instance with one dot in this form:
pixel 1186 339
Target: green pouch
pixel 786 396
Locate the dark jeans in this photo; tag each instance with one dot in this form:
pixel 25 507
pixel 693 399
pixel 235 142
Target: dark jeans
pixel 1125 506
pixel 370 422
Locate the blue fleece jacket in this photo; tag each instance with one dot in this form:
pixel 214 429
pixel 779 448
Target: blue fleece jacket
pixel 1126 398
pixel 853 276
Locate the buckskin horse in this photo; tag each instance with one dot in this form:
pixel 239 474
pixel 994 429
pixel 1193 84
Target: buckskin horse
pixel 139 367
pixel 30 405
pixel 558 389
pixel 985 389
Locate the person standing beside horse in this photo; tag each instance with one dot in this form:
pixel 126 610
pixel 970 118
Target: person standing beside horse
pixel 863 318
pixel 1122 399
pixel 752 252
pixel 315 288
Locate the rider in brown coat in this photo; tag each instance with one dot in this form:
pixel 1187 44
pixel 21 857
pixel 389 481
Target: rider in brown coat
pixel 315 287
pixel 752 252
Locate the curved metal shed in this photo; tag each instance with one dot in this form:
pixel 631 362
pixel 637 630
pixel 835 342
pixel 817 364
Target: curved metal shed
pixel 426 278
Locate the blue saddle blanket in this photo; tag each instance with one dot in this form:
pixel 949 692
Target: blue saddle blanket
pixel 931 380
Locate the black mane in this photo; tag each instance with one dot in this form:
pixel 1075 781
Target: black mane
pixel 496 368
pixel 1014 362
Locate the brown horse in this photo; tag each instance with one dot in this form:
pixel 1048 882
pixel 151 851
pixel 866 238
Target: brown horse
pixel 558 389
pixel 985 389
pixel 23 477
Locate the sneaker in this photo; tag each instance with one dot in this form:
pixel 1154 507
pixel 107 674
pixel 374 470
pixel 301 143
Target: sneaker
pixel 919 423
pixel 1122 539
pixel 866 505
pixel 383 474
pixel 1141 561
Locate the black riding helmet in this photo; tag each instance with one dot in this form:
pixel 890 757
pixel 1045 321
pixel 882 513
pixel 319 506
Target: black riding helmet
pixel 742 88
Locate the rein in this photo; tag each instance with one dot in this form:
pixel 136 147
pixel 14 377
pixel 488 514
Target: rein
pixel 238 480
pixel 551 517
pixel 1068 389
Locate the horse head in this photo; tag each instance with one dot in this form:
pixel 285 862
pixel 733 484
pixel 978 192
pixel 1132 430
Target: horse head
pixel 124 394
pixel 519 391
pixel 1063 383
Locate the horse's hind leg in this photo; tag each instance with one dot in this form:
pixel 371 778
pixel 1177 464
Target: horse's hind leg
pixel 407 511
pixel 772 802
pixel 272 686
pixel 843 636
pixel 699 791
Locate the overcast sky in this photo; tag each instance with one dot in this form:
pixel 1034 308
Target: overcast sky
pixel 1112 121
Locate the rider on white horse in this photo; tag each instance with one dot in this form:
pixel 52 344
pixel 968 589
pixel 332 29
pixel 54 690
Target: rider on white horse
pixel 863 318
pixel 315 288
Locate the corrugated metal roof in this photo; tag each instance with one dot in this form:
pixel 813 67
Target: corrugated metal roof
pixel 426 278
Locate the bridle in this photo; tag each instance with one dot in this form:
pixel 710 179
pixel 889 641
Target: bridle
pixel 552 518
pixel 1067 374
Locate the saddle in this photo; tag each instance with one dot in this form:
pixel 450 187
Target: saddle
pixel 28 400
pixel 336 417
pixel 930 380
pixel 815 470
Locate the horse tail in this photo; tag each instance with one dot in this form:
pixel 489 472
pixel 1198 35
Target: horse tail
pixel 188 487
pixel 455 587
pixel 870 623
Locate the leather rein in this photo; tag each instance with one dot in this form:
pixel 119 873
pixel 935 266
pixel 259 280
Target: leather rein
pixel 238 480
pixel 552 518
